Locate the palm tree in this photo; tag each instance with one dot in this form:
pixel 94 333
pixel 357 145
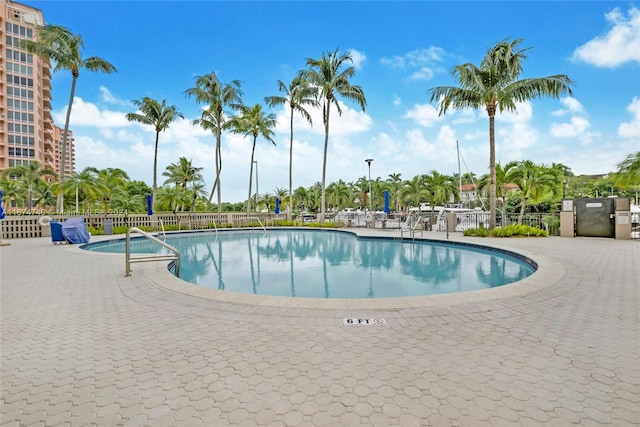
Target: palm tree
pixel 628 173
pixel 60 45
pixel 439 189
pixel 127 203
pixel 218 96
pixel 173 198
pixel 281 194
pixel 533 181
pixel 11 189
pixel 110 181
pixel 330 75
pixel 395 181
pixel 494 86
pixel 44 193
pixel 29 176
pixel 412 192
pixel 182 172
pixel 504 175
pixel 298 94
pixel 253 122
pixel 160 116
pixel 339 195
pixel 84 184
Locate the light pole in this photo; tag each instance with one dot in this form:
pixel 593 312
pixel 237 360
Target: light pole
pixel 370 194
pixel 257 190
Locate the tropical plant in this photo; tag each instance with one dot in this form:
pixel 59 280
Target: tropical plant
pixel 44 193
pixel 110 181
pixel 60 45
pixel 282 195
pixel 182 172
pixel 518 230
pixel 533 180
pixel 412 192
pixel 28 177
pixel 301 199
pixel 11 190
pixel 395 182
pixel 297 95
pixel 128 203
pixel 253 122
pixel 628 173
pixel 439 189
pixel 84 186
pixel 494 86
pixel 339 195
pixel 504 175
pixel 218 96
pixel 173 198
pixel 160 116
pixel 330 75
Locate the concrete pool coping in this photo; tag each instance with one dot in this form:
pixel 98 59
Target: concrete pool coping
pixel 549 272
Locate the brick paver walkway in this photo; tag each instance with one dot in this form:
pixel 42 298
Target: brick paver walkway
pixel 83 345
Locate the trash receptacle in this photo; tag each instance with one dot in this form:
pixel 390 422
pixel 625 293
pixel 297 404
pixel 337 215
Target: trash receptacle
pixel 108 227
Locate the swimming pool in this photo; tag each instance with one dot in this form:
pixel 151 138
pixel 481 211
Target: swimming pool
pixel 331 264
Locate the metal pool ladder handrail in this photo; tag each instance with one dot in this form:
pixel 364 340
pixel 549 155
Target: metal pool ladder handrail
pixel 412 229
pixel 259 222
pixel 153 257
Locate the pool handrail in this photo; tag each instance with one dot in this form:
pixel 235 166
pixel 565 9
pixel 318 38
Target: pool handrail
pixel 412 229
pixel 259 222
pixel 151 257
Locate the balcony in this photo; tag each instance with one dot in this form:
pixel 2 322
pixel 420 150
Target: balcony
pixel 46 70
pixel 48 124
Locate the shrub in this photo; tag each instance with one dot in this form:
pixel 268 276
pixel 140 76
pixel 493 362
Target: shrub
pixel 518 230
pixel 476 232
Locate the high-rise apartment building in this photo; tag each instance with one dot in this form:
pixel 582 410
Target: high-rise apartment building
pixel 27 132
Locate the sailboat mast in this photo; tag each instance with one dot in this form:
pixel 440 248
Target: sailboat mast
pixel 459 175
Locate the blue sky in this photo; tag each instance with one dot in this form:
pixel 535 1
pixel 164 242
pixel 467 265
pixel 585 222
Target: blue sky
pixel 400 49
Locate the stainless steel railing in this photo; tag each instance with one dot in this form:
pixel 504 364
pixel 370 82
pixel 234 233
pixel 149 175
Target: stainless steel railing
pixel 175 256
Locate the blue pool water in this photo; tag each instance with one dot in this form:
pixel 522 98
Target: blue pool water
pixel 330 264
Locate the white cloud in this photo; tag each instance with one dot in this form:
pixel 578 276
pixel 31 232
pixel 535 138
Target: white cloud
pixel 522 114
pixel 571 106
pixel 574 128
pixel 423 61
pixel 424 73
pixel 358 58
pixel 109 98
pixel 631 129
pixel 415 58
pixel 350 122
pixel 577 127
pixel 88 114
pixel 423 114
pixel 620 45
pixel 397 101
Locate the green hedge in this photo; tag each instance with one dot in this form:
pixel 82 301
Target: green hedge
pixel 512 230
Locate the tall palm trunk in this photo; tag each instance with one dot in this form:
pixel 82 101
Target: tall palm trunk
pixel 65 133
pixel 155 173
pixel 290 213
pixel 218 172
pixel 253 149
pixel 324 159
pixel 491 110
pixel 522 208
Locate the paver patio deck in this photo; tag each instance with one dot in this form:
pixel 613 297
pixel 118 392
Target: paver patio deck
pixel 83 345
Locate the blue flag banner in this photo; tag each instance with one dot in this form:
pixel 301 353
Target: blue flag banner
pixel 2 214
pixel 386 201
